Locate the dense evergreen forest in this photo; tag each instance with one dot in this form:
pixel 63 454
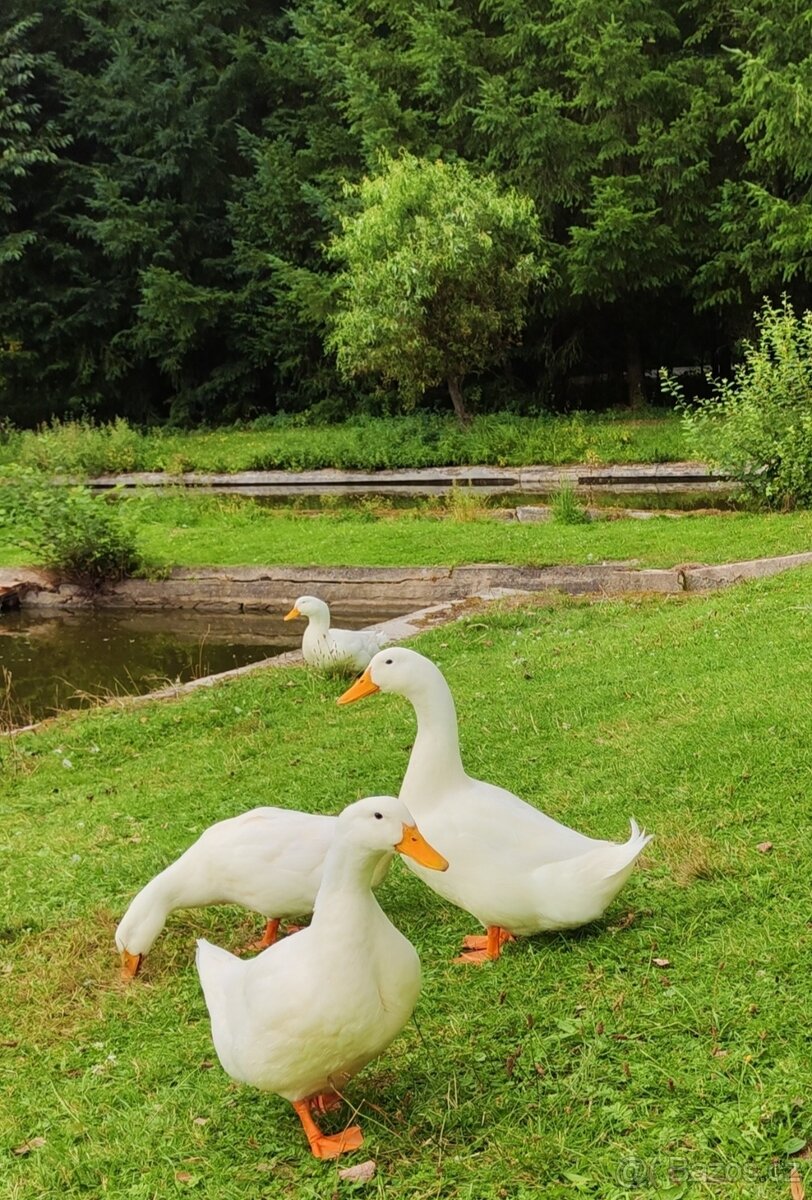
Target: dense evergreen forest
pixel 171 174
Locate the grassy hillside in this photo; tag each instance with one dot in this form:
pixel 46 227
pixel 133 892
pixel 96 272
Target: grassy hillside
pixel 577 1065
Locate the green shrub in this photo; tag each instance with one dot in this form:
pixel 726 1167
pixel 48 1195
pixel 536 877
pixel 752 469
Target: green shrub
pixel 84 538
pixel 757 426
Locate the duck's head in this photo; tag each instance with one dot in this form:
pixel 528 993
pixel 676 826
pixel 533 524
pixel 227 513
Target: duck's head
pixel 397 670
pixel 384 823
pixel 310 607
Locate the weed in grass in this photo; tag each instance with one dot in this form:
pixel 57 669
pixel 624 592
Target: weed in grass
pixel 463 504
pixel 691 857
pixel 10 714
pixel 566 507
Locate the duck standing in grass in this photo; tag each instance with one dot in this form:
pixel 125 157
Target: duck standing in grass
pixel 512 867
pixel 306 1015
pixel 269 860
pixel 350 649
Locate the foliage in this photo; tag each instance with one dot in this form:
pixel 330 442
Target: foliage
pixel 26 140
pixel 758 424
pixel 436 269
pixel 84 538
pixel 171 175
pixel 762 213
pixel 81 447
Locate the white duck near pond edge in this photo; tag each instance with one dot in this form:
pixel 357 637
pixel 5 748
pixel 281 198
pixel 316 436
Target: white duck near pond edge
pixel 269 860
pixel 515 869
pixel 322 646
pixel 307 1014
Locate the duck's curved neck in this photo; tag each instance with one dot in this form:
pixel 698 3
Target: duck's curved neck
pixel 319 622
pixel 147 913
pixel 346 884
pixel 435 762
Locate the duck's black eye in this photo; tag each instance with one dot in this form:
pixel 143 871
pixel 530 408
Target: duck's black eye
pixel 389 662
pixel 378 816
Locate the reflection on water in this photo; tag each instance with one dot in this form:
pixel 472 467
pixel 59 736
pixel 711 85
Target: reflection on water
pixel 70 659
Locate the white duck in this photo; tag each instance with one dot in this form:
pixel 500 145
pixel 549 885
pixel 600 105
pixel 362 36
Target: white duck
pixel 325 647
pixel 308 1014
pixel 269 860
pixel 514 868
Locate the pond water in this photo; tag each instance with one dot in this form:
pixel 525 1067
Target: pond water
pixel 50 661
pixel 683 501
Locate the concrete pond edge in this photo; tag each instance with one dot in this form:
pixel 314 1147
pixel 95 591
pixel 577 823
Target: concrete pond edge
pixel 426 481
pixel 455 591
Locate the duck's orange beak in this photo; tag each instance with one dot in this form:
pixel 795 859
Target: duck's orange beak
pixel 129 965
pixel 362 687
pixel 292 615
pixel 415 846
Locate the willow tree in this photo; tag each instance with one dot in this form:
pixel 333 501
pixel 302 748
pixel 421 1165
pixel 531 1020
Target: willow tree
pixel 436 265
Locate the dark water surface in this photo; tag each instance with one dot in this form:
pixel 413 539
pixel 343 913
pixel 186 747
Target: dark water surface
pixel 71 659
pixel 599 497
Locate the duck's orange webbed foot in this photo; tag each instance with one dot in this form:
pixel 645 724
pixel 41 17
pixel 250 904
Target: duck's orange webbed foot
pixel 325 1145
pixel 482 948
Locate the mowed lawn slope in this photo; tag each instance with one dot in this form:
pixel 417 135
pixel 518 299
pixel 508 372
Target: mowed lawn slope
pixel 662 1052
pixel 190 530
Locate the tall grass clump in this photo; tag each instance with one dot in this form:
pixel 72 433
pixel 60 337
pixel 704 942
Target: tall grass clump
pixel 757 426
pixel 302 442
pixel 82 537
pixel 567 508
pixel 82 447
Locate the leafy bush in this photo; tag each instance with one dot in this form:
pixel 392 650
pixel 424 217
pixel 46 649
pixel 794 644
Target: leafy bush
pixel 84 538
pixel 757 426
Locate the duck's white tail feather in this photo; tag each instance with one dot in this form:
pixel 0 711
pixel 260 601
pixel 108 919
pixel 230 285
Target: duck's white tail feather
pixel 627 852
pixel 218 970
pixel 579 890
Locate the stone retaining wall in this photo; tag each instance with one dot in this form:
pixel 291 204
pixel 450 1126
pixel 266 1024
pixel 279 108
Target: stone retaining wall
pixel 379 590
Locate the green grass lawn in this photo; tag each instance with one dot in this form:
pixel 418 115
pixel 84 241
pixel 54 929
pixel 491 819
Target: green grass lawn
pixel 189 530
pixel 420 440
pixel 575 1066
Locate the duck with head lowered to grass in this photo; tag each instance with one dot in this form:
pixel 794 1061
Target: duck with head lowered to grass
pixel 515 869
pixel 269 860
pixel 306 1015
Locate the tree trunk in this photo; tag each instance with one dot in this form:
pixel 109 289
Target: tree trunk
pixel 634 368
pixel 455 391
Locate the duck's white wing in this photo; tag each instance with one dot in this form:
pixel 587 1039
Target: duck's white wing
pixel 354 647
pixel 268 859
pixel 492 823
